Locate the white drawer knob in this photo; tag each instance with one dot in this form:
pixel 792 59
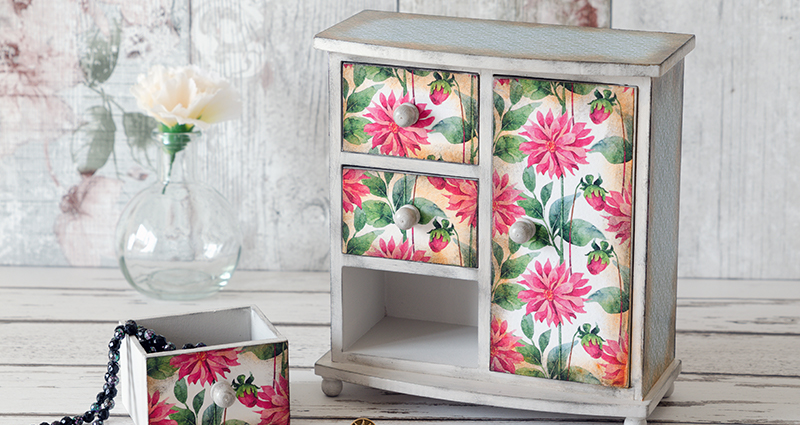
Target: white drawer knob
pixel 406 217
pixel 406 114
pixel 522 230
pixel 223 394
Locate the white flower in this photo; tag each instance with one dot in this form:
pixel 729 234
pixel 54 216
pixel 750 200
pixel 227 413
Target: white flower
pixel 186 95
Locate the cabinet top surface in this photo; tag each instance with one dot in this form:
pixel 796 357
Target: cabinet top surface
pixel 643 53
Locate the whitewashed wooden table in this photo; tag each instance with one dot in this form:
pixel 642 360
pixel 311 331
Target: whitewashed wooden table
pixel 739 342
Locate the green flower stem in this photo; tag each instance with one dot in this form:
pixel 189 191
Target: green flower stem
pixel 571 347
pixel 621 292
pixel 560 343
pixel 561 220
pixel 173 142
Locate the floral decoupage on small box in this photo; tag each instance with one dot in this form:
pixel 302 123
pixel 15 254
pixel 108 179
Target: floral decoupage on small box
pixel 179 386
pixel 563 157
pixel 447 129
pixel 445 234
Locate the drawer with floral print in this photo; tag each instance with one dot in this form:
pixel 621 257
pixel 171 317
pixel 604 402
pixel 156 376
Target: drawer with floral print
pixel 410 112
pixel 410 217
pixel 561 223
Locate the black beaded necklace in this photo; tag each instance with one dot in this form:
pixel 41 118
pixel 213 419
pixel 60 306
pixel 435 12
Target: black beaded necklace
pixel 150 341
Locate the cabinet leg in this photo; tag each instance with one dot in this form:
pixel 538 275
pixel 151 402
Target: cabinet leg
pixel 331 387
pixel 635 421
pixel 670 390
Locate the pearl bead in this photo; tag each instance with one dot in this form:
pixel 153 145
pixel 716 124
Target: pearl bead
pixel 223 394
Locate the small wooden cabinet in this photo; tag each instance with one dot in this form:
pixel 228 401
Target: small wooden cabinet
pixel 504 206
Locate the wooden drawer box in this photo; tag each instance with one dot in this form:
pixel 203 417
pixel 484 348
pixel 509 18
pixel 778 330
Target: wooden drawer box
pixel 447 126
pixel 445 232
pixel 243 348
pixel 570 306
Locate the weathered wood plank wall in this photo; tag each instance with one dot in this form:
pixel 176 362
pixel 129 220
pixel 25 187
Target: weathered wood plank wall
pixel 738 216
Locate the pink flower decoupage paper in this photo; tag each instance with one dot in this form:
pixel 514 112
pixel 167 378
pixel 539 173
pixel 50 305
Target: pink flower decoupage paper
pixel 448 112
pixel 562 157
pixel 179 386
pixel 445 234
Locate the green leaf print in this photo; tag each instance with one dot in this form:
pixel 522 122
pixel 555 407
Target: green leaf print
pixel 402 190
pixel 505 296
pixel 427 210
pixel 581 232
pixel 159 367
pixel 507 148
pixel 266 351
pixel 611 299
pixel 345 232
pixel 376 186
pixel 198 400
pixel 499 103
pixel 527 325
pixel 452 130
pixel 183 416
pixel 539 240
pixel 516 118
pixel 358 101
pixel 360 244
pixel 535 373
pixel 181 391
pixel 359 219
pixel 378 213
pixel 535 89
pixel 497 251
pixel 544 339
pixel 544 195
pixel 614 149
pixel 579 374
pixel 529 179
pixel 213 415
pixel 359 74
pixel 557 360
pixel 353 130
pixel 377 73
pixel 531 206
pixel 531 354
pixel 513 267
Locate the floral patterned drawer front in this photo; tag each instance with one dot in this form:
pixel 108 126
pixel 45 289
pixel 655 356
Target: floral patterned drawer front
pixel 447 129
pixel 179 386
pixel 563 158
pixel 445 234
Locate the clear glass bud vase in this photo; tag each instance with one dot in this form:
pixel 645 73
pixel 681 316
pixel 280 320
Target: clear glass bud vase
pixel 178 239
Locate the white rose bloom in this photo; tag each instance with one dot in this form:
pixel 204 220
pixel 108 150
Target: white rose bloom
pixel 186 95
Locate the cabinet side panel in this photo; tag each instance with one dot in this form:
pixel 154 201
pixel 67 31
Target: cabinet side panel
pixel 662 237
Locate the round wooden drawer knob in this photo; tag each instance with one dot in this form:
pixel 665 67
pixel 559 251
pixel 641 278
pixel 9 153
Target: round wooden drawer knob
pixel 406 217
pixel 522 230
pixel 406 114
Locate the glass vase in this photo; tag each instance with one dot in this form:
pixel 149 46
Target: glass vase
pixel 178 239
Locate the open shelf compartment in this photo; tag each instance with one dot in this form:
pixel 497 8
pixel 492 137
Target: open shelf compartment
pixel 410 317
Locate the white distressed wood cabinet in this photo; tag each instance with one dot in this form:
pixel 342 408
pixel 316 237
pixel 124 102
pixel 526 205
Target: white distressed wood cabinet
pixel 504 212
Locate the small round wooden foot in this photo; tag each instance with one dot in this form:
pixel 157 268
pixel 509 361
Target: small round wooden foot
pixel 635 421
pixel 670 390
pixel 331 387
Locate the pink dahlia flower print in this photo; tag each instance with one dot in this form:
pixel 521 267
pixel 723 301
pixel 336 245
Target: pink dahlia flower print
pixel 403 251
pixel 462 195
pixel 503 355
pixel 353 189
pixel 390 137
pixel 618 205
pixel 615 367
pixel 556 145
pixel 554 293
pixel 159 410
pixel 205 366
pixel 505 210
pixel 275 402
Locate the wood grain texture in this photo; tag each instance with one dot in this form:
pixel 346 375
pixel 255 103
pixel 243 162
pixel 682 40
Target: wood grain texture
pixel 593 13
pixel 721 382
pixel 738 216
pixel 273 163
